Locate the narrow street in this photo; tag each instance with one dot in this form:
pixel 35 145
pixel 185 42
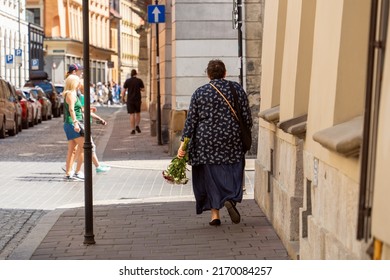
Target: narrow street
pixel 133 205
pixel 42 144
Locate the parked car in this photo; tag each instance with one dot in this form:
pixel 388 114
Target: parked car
pixel 28 109
pixel 18 107
pixel 40 78
pixel 8 113
pixel 41 96
pixel 36 104
pixel 60 90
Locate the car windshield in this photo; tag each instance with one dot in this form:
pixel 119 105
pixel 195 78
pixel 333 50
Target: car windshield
pixel 60 89
pixel 45 86
pixel 27 94
pixel 34 93
pixel 22 94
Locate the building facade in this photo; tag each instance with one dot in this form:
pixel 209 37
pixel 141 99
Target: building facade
pixel 193 33
pixel 129 37
pixel 320 169
pixel 113 64
pixel 63 28
pixel 14 48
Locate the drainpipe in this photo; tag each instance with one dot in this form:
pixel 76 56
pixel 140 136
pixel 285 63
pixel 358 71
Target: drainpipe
pixel 376 53
pixel 363 211
pixel 239 8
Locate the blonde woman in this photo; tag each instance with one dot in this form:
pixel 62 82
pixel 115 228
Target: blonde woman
pixel 73 116
pixel 78 70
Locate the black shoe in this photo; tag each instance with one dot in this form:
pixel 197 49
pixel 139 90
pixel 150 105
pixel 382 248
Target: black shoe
pixel 233 212
pixel 132 132
pixel 215 222
pixel 137 128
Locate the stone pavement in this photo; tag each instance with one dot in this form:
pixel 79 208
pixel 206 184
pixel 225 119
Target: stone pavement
pixel 137 215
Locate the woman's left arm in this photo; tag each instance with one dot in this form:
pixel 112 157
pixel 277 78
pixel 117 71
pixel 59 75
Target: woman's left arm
pixel 96 117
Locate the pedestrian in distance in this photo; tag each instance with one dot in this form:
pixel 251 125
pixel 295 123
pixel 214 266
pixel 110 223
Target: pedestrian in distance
pixel 110 95
pixel 92 93
pixel 215 150
pixel 117 93
pixel 134 86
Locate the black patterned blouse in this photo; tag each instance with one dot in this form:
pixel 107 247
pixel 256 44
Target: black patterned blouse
pixel 211 126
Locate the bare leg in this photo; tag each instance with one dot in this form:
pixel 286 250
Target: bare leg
pixel 137 118
pixel 70 156
pixel 214 214
pixel 132 121
pixel 95 160
pixel 79 153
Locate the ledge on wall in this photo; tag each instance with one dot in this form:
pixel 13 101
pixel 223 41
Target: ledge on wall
pixel 295 126
pixel 344 138
pixel 271 114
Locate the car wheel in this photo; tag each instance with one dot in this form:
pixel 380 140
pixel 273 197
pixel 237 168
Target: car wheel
pixel 12 132
pixel 19 125
pixel 32 123
pixel 37 120
pixel 25 124
pixel 2 130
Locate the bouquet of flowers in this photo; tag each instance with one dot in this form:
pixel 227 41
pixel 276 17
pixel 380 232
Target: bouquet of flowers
pixel 176 171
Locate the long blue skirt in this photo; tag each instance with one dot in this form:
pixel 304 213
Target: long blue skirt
pixel 213 184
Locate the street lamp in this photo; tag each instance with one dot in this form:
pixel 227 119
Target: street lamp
pixel 89 237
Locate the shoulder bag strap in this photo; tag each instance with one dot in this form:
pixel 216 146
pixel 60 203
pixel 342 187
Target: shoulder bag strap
pixel 228 103
pixel 234 92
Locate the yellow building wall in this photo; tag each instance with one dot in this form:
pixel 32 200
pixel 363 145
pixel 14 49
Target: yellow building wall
pixel 298 48
pixel 338 73
pixel 272 52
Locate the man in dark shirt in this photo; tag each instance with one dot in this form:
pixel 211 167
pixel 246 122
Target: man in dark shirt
pixel 134 86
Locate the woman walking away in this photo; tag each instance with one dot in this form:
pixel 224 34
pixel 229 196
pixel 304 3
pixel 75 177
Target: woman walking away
pixel 215 151
pixel 73 117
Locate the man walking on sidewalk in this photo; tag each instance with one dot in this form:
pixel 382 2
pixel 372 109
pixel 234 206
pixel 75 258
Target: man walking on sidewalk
pixel 134 86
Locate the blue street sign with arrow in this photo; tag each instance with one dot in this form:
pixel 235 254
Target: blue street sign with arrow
pixel 156 13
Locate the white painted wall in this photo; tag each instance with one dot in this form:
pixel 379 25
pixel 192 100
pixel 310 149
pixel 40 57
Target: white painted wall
pixel 9 40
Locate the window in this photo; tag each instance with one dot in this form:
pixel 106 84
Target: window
pixel 34 15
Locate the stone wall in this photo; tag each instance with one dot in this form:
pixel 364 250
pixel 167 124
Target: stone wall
pixel 328 231
pixel 279 183
pixel 254 13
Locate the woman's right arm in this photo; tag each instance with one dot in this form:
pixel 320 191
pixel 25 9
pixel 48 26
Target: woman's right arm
pixel 190 125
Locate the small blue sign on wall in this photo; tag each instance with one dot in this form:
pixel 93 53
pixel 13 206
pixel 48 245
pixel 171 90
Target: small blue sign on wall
pixel 9 61
pixel 156 13
pixel 34 64
pixel 18 55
